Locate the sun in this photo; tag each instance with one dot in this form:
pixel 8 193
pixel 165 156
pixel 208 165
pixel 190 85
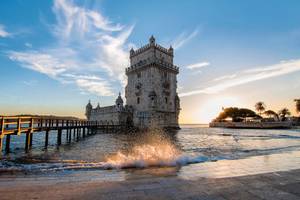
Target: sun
pixel 212 107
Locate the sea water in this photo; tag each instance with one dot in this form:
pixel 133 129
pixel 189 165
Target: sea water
pixel 193 144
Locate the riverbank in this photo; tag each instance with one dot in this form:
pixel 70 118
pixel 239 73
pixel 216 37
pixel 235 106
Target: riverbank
pixel 253 125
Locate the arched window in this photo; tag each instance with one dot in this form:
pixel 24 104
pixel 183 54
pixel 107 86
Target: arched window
pixel 138 100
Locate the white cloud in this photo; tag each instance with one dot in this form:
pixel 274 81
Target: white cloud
pixel 30 82
pixel 93 86
pixel 198 65
pixel 248 76
pixel 43 63
pixel 90 51
pixel 184 38
pixel 231 76
pixel 72 18
pixel 3 32
pixel 27 44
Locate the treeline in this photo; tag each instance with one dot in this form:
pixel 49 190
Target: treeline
pixel 241 114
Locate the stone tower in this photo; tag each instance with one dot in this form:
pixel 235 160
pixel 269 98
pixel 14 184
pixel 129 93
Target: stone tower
pixel 152 86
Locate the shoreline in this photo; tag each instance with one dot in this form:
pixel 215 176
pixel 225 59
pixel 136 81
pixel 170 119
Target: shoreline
pixel 275 176
pixel 253 125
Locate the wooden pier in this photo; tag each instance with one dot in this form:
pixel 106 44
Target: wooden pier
pixel 16 125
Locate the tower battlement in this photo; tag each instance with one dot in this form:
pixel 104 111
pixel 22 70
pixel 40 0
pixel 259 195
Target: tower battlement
pixel 152 54
pixel 149 46
pixel 145 63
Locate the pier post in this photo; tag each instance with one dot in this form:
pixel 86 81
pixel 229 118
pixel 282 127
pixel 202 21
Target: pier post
pixel 28 140
pixel 83 132
pixel 59 137
pixel 1 142
pixel 74 129
pixel 70 135
pixel 7 143
pixel 46 138
pixel 67 135
pixel 77 137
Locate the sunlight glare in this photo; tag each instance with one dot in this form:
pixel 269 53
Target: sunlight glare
pixel 210 109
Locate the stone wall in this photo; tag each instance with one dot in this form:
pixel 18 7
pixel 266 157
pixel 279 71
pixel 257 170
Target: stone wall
pixel 111 115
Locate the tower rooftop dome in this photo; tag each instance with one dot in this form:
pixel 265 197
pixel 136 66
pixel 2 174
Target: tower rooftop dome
pixel 152 40
pixel 89 104
pixel 98 106
pixel 119 100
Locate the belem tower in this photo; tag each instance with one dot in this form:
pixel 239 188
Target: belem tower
pixel 151 92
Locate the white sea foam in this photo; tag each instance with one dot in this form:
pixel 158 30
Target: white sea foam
pixel 150 149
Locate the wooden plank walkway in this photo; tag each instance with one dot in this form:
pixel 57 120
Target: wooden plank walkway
pixel 16 125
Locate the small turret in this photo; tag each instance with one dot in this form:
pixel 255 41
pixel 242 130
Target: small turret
pixel 177 103
pixel 171 50
pixel 119 101
pixel 131 52
pixel 88 110
pixel 152 40
pixel 98 106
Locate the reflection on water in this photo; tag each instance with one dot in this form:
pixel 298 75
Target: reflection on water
pixel 192 144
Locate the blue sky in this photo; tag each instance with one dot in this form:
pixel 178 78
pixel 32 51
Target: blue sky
pixel 55 55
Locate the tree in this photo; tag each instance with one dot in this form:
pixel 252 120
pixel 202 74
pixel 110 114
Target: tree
pixel 260 107
pixel 297 105
pixel 271 113
pixel 283 113
pixel 236 114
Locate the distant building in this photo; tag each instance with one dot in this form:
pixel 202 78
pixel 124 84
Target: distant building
pixel 151 91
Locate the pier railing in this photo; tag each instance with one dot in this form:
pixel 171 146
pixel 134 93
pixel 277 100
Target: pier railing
pixel 17 125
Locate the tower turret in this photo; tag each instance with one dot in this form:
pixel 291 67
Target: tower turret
pixel 131 52
pixel 88 110
pixel 119 101
pixel 171 50
pixel 152 40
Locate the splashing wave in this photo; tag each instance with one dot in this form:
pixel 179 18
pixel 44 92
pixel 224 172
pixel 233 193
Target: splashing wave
pixel 124 162
pixel 152 149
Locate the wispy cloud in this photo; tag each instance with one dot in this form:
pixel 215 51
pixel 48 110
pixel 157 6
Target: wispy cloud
pixel 42 62
pixel 3 32
pixel 184 38
pixel 90 50
pixel 27 44
pixel 95 86
pixel 30 82
pixel 198 65
pixel 221 78
pixel 248 76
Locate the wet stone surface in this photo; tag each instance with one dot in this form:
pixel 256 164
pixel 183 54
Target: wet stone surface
pixel 275 185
